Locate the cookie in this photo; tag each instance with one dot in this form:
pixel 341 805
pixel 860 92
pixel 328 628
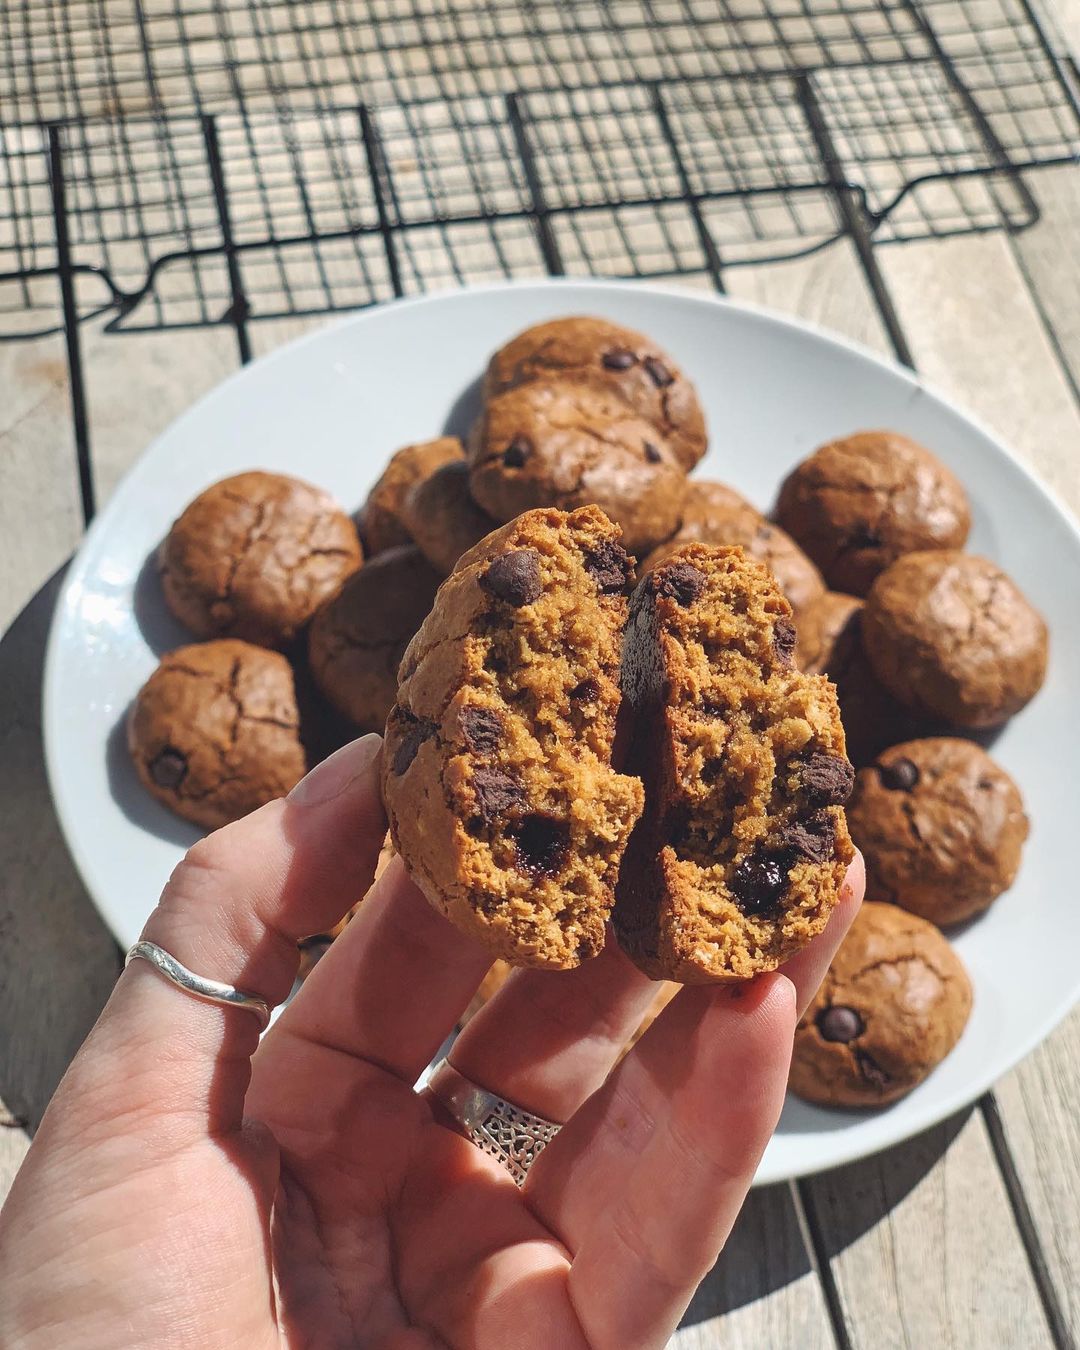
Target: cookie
pixel 858 504
pixel 442 517
pixel 215 732
pixel 941 827
pixel 497 764
pixel 357 639
pixel 381 522
pixel 254 557
pixel 626 363
pixel 952 636
pixel 823 625
pixel 893 1004
pixel 713 514
pixel 741 853
pixel 567 443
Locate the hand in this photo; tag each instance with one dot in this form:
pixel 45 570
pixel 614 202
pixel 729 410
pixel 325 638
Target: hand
pixel 190 1186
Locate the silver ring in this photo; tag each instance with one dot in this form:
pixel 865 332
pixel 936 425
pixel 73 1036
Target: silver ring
pixel 212 991
pixel 513 1136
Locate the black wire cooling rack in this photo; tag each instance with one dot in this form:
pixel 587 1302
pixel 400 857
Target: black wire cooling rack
pixel 188 162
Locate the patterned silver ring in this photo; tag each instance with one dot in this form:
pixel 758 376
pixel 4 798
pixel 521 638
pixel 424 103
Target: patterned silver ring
pixel 513 1136
pixel 211 991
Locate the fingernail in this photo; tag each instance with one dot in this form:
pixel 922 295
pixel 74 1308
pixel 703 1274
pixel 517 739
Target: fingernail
pixel 335 775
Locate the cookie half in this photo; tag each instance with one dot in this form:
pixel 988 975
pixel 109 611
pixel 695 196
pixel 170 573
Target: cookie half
pixel 497 765
pixel 741 853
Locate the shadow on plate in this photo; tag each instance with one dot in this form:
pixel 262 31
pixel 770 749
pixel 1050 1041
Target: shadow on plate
pixel 465 411
pixel 58 961
pixel 133 799
pixel 161 632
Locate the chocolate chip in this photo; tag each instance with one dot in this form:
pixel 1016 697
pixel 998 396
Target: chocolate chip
pixel 840 1024
pixel 541 844
pixel 681 582
pixel 588 691
pixel 658 372
pixel 759 881
pixel 813 839
pixel 517 452
pixel 619 359
pixel 871 1070
pixel 609 567
pixel 652 453
pixel 826 780
pixel 514 577
pixel 899 776
pixel 784 638
pixel 169 768
pixel 482 729
pixel 496 792
pixel 420 731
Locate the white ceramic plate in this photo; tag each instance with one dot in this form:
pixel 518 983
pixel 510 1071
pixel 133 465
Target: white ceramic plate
pixel 333 406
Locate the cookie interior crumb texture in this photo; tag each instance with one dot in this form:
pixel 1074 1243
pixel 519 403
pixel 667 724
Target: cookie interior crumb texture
pixel 498 776
pixel 740 856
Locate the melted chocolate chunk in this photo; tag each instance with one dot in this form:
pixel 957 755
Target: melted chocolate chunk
pixel 681 582
pixel 652 453
pixel 482 729
pixel 588 691
pixel 517 452
pixel 609 566
pixel 784 638
pixel 826 780
pixel 871 1070
pixel 514 577
pixel 420 731
pixel 541 844
pixel 840 1024
pixel 759 881
pixel 813 839
pixel 658 372
pixel 169 768
pixel 496 792
pixel 619 359
pixel 899 776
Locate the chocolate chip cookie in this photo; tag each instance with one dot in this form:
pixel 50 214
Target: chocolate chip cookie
pixel 442 517
pixel 952 636
pixel 941 827
pixel 823 625
pixel 381 522
pixel 215 731
pixel 254 556
pixel 713 514
pixel 626 363
pixel 741 853
pixel 567 443
pixel 357 639
pixel 858 504
pixel 893 1004
pixel 497 765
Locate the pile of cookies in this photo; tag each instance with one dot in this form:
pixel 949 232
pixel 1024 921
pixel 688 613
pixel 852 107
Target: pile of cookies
pixel 301 617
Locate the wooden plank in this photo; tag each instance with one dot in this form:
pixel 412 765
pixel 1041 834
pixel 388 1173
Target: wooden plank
pixel 954 1202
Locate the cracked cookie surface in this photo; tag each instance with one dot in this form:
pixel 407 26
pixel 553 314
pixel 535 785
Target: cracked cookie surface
pixel 742 850
pixel 941 826
pixel 625 362
pixel 952 636
pixel 442 517
pixel 497 764
pixel 893 1004
pixel 568 442
pixel 254 556
pixel 713 513
pixel 857 504
pixel 215 732
pixel 357 640
pixel 382 523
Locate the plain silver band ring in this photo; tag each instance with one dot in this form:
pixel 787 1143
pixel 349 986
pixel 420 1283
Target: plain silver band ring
pixel 212 991
pixel 514 1136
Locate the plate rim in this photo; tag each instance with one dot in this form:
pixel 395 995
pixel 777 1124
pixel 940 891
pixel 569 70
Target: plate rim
pixel 77 565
